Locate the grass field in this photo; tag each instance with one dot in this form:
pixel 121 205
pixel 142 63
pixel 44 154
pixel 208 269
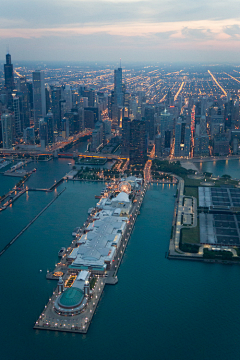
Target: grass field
pixel 191 191
pixel 191 236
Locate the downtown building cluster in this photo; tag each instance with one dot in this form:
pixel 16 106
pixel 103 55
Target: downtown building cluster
pixel 182 123
pixel 35 115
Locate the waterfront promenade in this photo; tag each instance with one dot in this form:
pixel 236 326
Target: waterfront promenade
pixel 179 212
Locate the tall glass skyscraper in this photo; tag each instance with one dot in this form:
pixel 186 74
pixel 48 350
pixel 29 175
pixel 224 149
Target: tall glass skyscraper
pixel 8 73
pixel 118 87
pixel 39 101
pixel 7 130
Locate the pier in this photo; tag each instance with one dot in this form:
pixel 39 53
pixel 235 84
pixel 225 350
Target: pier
pixel 50 319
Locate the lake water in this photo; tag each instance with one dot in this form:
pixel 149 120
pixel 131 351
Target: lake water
pixel 160 309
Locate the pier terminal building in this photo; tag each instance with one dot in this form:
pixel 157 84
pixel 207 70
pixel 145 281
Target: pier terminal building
pixel 99 243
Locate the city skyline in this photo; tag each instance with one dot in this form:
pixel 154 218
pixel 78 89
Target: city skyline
pixel 107 30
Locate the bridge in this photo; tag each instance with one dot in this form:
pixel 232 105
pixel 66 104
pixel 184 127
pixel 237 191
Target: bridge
pixel 55 148
pixel 94 155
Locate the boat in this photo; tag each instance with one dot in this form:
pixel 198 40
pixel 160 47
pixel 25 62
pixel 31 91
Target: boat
pixel 98 197
pixel 76 231
pixel 69 163
pixel 61 251
pixel 90 210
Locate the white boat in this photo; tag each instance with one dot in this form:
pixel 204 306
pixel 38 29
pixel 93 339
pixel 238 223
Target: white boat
pixel 61 251
pixel 69 163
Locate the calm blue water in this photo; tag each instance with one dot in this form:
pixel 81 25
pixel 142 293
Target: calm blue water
pixel 221 167
pixel 160 309
pixel 7 183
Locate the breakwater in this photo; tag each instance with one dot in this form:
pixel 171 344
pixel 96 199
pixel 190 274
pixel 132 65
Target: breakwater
pixel 29 224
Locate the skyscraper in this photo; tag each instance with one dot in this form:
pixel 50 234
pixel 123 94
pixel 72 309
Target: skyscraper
pixel 138 144
pixel 17 116
pixel 56 110
pixel 8 74
pixel 7 130
pixel 39 101
pixel 24 94
pixel 43 133
pixel 50 126
pixel 125 136
pixel 149 116
pixel 178 132
pixel 118 87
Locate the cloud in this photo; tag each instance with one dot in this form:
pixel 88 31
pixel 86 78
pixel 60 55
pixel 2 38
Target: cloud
pixel 197 34
pixel 54 13
pixel 232 30
pixel 107 24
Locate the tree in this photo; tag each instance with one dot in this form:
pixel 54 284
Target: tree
pixel 225 176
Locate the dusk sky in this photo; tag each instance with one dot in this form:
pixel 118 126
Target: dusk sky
pixel 135 30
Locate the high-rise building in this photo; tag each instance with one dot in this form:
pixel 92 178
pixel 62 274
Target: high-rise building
pixel 138 145
pixel 166 121
pixel 50 126
pixel 8 74
pixel 25 102
pixel 89 119
pixel 43 133
pixel 187 140
pixel 149 118
pixel 90 94
pixel 215 124
pixel 97 136
pixel 220 145
pixel 158 145
pixel 67 96
pixel 17 116
pixel 125 136
pixel 178 131
pixel 182 138
pixel 203 125
pixel 29 135
pixel 7 130
pixel 56 110
pixel 107 127
pixel 201 145
pixel 39 100
pixel 118 88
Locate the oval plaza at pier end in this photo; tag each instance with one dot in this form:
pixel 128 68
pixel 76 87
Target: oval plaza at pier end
pixel 73 300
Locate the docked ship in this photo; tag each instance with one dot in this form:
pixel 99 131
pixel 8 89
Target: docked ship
pixel 76 231
pixel 61 251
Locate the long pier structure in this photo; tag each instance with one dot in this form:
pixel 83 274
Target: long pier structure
pixel 79 322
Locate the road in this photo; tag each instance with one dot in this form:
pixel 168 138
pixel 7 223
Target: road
pixel 147 171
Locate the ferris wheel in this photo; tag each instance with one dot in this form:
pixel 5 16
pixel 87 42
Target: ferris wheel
pixel 124 186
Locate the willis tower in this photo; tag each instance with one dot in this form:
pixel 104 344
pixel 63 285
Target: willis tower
pixel 9 79
pixel 8 72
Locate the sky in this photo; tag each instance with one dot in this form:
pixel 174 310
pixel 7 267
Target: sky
pixel 134 30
